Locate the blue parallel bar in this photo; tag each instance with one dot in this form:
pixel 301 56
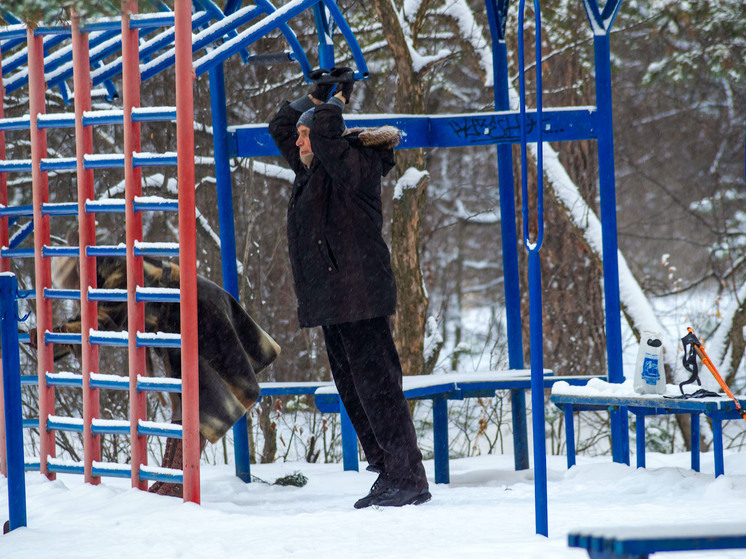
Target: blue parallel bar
pixel 17 253
pixel 157 250
pixel 110 382
pixel 109 340
pixel 99 118
pixel 59 164
pixel 27 293
pixel 52 251
pixel 23 337
pixel 112 470
pixel 66 208
pixel 56 425
pixel 145 21
pixel 101 206
pixel 56 120
pixel 69 381
pixel 112 295
pixel 12 395
pixel 158 295
pixel 62 338
pixel 157 206
pixel 104 428
pixel 114 161
pixel 153 476
pixel 154 114
pixel 145 385
pixel 15 123
pixel 31 465
pixel 31 423
pixel 65 468
pixel 17 211
pixel 170 432
pixel 13 32
pixel 15 166
pixel 154 159
pixel 160 340
pixel 106 250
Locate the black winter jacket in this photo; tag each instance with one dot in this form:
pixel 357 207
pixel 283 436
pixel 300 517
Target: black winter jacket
pixel 341 264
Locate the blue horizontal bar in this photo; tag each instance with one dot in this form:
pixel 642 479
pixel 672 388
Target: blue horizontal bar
pixel 23 337
pixel 104 250
pixel 29 380
pixel 98 429
pixel 65 469
pixel 59 164
pixel 155 386
pixel 148 476
pixel 124 472
pixel 112 162
pixel 164 114
pixel 97 339
pixel 55 425
pixel 59 209
pixel 110 295
pixel 91 118
pixel 170 296
pixel 13 32
pixel 17 211
pixel 62 338
pixel 158 342
pixel 159 432
pixel 167 252
pixel 17 253
pixel 119 383
pixel 72 382
pixel 153 159
pixel 15 123
pixel 64 294
pixel 15 166
pixel 31 465
pixel 98 206
pixel 164 206
pixel 63 120
pixel 161 19
pixel 49 251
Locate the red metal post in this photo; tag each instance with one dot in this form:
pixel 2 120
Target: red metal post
pixel 187 247
pixel 4 265
pixel 133 188
pixel 87 236
pixel 40 185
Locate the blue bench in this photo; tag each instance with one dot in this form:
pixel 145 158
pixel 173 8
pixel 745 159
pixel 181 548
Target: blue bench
pixel 718 409
pixel 640 542
pixel 439 388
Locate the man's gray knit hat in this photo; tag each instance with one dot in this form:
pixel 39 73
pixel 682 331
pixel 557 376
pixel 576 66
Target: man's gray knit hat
pixel 306 118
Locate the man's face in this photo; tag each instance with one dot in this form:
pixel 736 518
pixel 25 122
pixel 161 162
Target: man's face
pixel 303 141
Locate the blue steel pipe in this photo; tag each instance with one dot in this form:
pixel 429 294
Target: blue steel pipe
pixel 534 273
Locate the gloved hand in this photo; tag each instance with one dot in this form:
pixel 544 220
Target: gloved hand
pixel 320 91
pixel 345 81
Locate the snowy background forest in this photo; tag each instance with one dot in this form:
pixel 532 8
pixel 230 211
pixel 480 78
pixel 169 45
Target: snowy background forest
pixel 679 101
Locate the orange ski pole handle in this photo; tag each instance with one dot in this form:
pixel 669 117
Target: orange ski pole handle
pixel 700 350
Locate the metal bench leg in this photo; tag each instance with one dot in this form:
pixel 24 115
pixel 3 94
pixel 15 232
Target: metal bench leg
pixel 520 428
pixel 440 440
pixel 349 441
pixel 640 433
pixel 695 441
pixel 569 435
pixel 717 446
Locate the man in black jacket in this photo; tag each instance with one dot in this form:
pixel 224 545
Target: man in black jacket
pixel 343 278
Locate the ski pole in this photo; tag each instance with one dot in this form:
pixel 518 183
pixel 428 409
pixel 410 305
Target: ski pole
pixel 700 349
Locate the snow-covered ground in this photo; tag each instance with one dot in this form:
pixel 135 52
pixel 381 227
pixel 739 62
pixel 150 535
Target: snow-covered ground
pixel 486 511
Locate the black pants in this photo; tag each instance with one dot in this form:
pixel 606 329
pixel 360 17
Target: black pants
pixel 366 369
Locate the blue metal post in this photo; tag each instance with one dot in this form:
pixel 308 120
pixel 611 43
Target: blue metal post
pixel 695 431
pixel 570 435
pixel 440 440
pixel 326 46
pixel 619 420
pixel 12 390
pixel 227 237
pixel 509 235
pixel 349 441
pixel 640 432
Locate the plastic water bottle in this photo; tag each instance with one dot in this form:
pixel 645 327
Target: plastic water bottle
pixel 650 374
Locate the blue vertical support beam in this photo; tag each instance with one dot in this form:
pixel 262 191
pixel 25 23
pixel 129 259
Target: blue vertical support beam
pixel 323 30
pixel 497 11
pixel 349 441
pixel 533 246
pixel 227 236
pixel 12 391
pixel 440 440
pixel 601 25
pixel 695 431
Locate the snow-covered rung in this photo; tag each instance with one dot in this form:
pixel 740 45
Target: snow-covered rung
pixel 15 166
pixel 31 465
pixel 158 339
pixel 154 473
pixel 17 211
pixel 114 116
pixel 62 294
pixel 26 294
pixel 59 423
pixel 157 294
pixel 110 382
pixel 112 205
pixel 155 203
pixel 167 250
pixel 59 466
pixel 110 427
pixel 103 161
pixel 56 120
pixel 56 251
pixel 107 250
pixel 111 469
pixel 117 295
pixel 108 338
pixel 158 384
pixel 59 164
pixel 153 114
pixel 6 252
pixel 15 123
pixel 145 159
pixel 73 380
pixel 59 209
pixel 31 423
pixel 171 430
pixel 62 338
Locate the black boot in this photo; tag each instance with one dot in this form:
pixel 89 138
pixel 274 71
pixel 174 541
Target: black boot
pixel 380 485
pixel 393 496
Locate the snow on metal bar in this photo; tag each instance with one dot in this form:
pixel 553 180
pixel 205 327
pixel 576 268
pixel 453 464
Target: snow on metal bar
pixel 56 120
pixel 17 211
pixel 17 31
pixel 153 114
pixel 64 208
pixel 171 430
pixel 157 294
pixel 144 159
pixel 110 427
pixel 155 203
pixel 29 380
pixel 15 123
pixel 156 249
pixel 59 423
pixel 108 338
pixel 111 295
pixel 64 467
pixel 154 473
pixel 251 34
pixel 31 465
pixel 107 250
pixel 15 166
pixel 26 294
pixel 61 338
pixel 159 384
pixel 6 252
pixel 111 205
pixel 55 251
pixel 62 294
pixel 113 116
pixel 111 469
pixel 73 380
pixel 161 19
pixel 110 382
pixel 59 164
pixel 103 161
pixel 158 339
